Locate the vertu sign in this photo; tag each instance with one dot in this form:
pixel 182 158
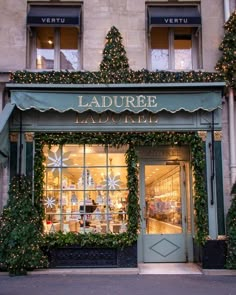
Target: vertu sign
pixel 175 20
pixel 52 20
pixel 179 20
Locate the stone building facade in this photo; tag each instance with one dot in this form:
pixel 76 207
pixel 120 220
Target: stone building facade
pixel 134 21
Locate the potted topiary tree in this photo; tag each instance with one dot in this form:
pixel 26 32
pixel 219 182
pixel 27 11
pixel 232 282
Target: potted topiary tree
pixel 20 230
pixel 231 232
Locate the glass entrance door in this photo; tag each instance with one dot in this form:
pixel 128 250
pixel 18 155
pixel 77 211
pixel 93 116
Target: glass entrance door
pixel 164 225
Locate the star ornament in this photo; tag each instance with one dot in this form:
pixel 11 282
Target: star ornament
pixel 50 202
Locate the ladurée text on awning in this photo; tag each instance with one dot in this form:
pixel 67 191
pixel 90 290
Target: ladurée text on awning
pixel 118 101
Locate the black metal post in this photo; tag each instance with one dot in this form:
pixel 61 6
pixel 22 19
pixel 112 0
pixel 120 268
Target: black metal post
pixel 212 148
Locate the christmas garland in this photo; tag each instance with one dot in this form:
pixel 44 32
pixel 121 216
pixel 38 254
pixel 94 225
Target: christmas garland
pixel 131 139
pixel 122 76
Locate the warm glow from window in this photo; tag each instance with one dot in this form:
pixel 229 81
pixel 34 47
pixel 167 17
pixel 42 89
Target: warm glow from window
pixel 85 189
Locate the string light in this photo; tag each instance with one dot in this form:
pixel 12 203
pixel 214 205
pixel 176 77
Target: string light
pixel 120 76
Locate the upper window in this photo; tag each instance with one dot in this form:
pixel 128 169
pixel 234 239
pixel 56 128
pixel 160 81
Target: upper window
pixel 174 38
pixel 54 42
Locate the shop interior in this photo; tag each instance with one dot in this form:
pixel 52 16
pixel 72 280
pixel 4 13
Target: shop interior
pixel 163 204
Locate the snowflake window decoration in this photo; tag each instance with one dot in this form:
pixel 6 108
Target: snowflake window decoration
pixel 50 202
pixel 112 182
pixel 56 160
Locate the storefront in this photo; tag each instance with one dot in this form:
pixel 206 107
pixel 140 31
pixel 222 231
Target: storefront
pixel 86 133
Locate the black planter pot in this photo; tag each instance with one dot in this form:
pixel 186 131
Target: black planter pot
pixel 83 257
pixel 212 255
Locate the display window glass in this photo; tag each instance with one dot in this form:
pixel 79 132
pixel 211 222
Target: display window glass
pixel 174 48
pixel 85 189
pixel 163 199
pixel 53 48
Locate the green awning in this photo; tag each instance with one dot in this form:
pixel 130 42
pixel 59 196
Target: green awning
pixel 4 133
pixel 117 102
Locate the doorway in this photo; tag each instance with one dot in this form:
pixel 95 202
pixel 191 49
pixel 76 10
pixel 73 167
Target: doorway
pixel 165 210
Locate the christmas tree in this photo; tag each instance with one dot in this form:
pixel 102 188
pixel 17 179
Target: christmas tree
pixel 20 230
pixel 227 63
pixel 114 54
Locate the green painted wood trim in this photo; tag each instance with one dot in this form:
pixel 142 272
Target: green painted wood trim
pixel 29 158
pixel 13 159
pixel 219 188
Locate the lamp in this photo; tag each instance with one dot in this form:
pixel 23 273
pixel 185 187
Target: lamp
pixel 50 40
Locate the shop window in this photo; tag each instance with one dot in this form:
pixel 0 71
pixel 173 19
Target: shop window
pixel 174 38
pixel 54 38
pixel 85 189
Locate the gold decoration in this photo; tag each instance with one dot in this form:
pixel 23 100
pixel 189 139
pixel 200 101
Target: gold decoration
pixel 29 136
pixel 13 137
pixel 203 135
pixel 218 135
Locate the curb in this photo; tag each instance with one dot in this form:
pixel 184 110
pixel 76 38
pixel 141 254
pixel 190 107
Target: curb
pixel 82 271
pixel 219 272
pixel 126 271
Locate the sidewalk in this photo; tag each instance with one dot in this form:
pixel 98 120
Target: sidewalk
pixel 142 269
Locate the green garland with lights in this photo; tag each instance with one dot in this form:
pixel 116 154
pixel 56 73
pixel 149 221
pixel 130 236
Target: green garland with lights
pixel 132 140
pixel 227 62
pixel 110 77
